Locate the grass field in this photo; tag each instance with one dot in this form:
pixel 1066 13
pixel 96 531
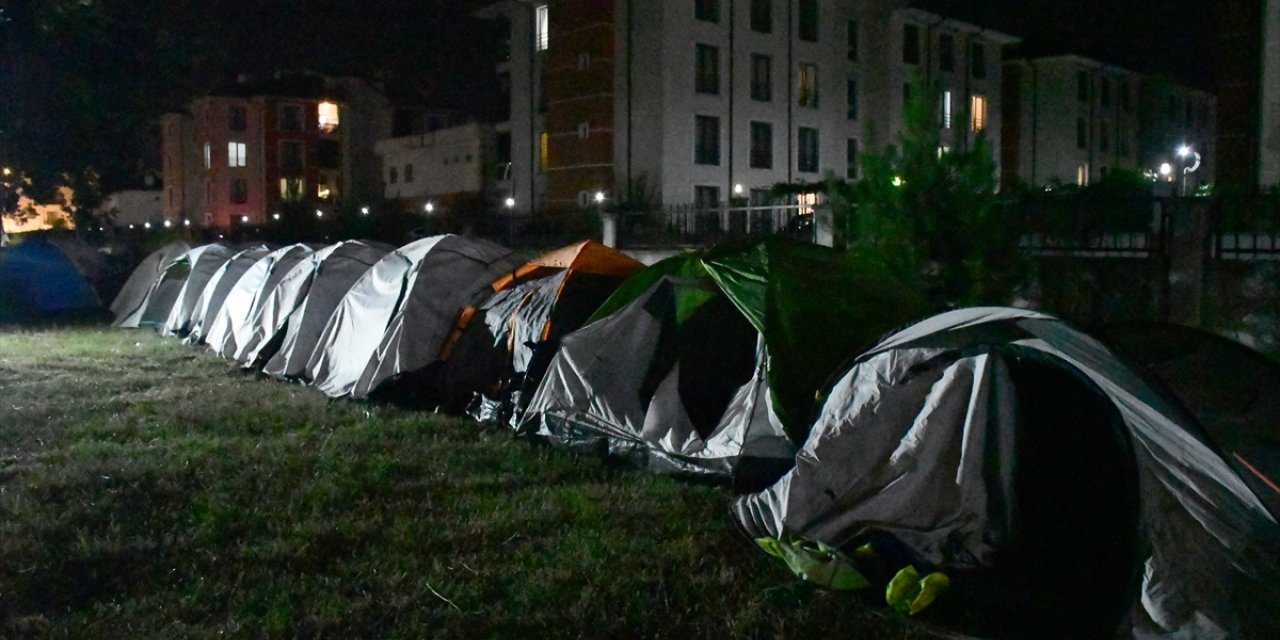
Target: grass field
pixel 148 490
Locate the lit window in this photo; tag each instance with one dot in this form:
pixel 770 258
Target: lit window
pixel 541 24
pixel 327 187
pixel 236 154
pixel 807 202
pixel 1082 174
pixel 978 108
pixel 808 93
pixel 946 109
pixel 328 116
pixel 208 155
pixel 292 189
pixel 544 150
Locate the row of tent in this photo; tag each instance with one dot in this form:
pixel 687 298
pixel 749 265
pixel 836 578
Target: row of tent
pixel 1105 494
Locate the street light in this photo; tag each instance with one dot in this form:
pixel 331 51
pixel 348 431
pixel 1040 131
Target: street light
pixel 428 207
pixel 1185 151
pixel 168 223
pixel 275 216
pixel 244 219
pixel 599 197
pixel 319 213
pixel 511 203
pixel 364 210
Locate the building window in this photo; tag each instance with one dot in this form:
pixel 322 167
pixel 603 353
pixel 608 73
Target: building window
pixel 761 197
pixel 910 44
pixel 544 151
pixel 947 52
pixel 809 20
pixel 1104 92
pixel 1104 139
pixel 1082 137
pixel 328 154
pixel 236 154
pixel 978 60
pixel 327 187
pixel 761 78
pixel 408 173
pixel 851 159
pixel 708 10
pixel 541 27
pixel 292 189
pixel 808 152
pixel 292 156
pixel 327 116
pixel 393 173
pixel 946 109
pixel 761 145
pixel 706 197
pixel 851 98
pixel 978 109
pixel 584 131
pixel 762 16
pixel 239 191
pixel 706 144
pixel 208 156
pixel 708 69
pixel 1082 174
pixel 808 93
pixel 1082 86
pixel 238 120
pixel 290 117
pixel 852 47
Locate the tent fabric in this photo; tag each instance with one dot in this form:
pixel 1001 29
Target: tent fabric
pixel 218 288
pixel 930 440
pixel 204 262
pixel 42 280
pixel 531 309
pixel 334 275
pixel 286 290
pixel 396 318
pixel 131 302
pixel 1238 410
pixel 231 325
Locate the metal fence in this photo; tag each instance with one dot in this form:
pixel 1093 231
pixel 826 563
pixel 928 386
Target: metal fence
pixel 693 225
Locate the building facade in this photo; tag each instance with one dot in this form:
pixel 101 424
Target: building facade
pixel 1269 144
pixel 1071 120
pixel 241 153
pixel 680 101
pixel 438 167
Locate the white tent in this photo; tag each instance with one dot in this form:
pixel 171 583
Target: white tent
pixel 216 291
pixel 131 302
pixel 202 263
pixel 231 326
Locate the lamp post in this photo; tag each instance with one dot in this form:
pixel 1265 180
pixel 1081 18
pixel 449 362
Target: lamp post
pixel 1184 152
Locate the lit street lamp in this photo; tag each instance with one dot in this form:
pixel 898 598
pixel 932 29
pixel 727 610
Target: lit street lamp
pixel 1185 152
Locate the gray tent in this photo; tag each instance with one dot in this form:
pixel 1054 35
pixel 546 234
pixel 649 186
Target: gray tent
pixel 335 273
pixel 396 318
pixel 233 322
pixel 216 291
pixel 1006 448
pixel 202 263
pixel 131 302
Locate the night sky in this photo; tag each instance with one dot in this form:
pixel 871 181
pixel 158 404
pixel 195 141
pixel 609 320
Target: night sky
pixel 83 81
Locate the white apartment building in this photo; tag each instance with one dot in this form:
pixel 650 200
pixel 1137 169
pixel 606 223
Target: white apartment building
pixel 1071 119
pixel 437 166
pixel 679 101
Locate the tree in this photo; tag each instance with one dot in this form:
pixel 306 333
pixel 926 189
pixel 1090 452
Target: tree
pixel 930 215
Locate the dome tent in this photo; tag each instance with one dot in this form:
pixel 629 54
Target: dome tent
pixel 334 274
pixel 707 365
pixel 202 263
pixel 531 309
pixel 131 302
pixel 218 288
pixel 395 319
pixel 1003 444
pixel 231 325
pixel 42 279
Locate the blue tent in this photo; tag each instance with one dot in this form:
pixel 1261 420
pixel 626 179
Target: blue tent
pixel 39 280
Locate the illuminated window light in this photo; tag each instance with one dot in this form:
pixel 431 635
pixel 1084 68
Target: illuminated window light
pixel 328 119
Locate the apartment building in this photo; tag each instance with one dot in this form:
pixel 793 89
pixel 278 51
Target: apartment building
pixel 1071 119
pixel 679 101
pixel 238 155
pixel 440 166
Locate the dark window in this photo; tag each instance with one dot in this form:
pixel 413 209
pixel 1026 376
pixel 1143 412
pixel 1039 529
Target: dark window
pixel 809 20
pixel 762 16
pixel 851 98
pixel 761 78
pixel 393 175
pixel 808 94
pixel 503 148
pixel 1104 92
pixel 408 173
pixel 1082 86
pixel 708 10
pixel 910 44
pixel 292 156
pixel 706 197
pixel 808 156
pixel 851 162
pixel 947 52
pixel 329 154
pixel 1104 137
pixel 978 60
pixel 239 120
pixel 708 69
pixel 1082 138
pixel 853 40
pixel 706 148
pixel 761 145
pixel 290 117
pixel 239 191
